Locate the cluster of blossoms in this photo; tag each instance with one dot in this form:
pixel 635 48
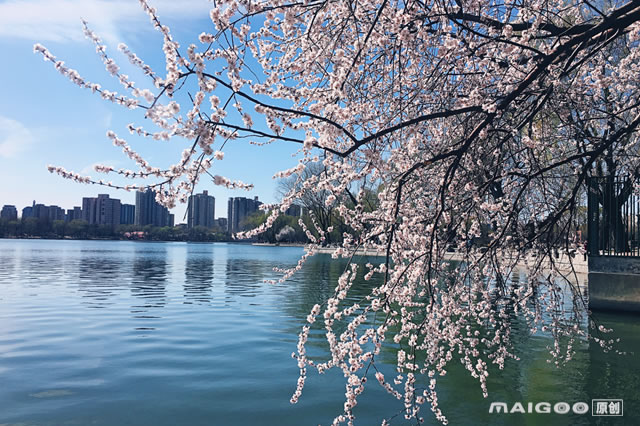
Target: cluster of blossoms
pixel 177 180
pixel 427 127
pixel 68 174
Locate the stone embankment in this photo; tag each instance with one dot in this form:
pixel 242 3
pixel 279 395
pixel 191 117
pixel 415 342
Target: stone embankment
pixel 614 283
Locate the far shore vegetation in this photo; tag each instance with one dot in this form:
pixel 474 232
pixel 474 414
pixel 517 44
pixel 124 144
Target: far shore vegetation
pixel 285 230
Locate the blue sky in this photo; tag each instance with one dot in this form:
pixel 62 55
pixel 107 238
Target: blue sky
pixel 45 119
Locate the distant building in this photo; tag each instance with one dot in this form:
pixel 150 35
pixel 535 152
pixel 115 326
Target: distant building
pixel 74 214
pixel 40 211
pixel 44 213
pixel 88 208
pixel 55 213
pixel 9 212
pixel 221 223
pixel 294 210
pixel 148 211
pixel 201 210
pixel 77 213
pixel 172 220
pixel 127 214
pixel 101 210
pixel 27 212
pixel 238 209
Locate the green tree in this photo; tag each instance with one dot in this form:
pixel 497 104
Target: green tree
pixel 78 228
pixel 59 228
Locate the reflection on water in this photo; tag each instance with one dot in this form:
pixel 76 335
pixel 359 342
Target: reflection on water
pixel 199 273
pixel 245 278
pixel 614 374
pixel 99 276
pixel 149 279
pixel 190 334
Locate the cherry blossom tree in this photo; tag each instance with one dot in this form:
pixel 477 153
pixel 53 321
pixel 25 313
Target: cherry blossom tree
pixel 473 118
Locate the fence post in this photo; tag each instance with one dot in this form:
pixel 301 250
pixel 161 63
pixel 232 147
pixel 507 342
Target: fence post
pixel 593 217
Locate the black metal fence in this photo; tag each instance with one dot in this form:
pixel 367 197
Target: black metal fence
pixel 613 220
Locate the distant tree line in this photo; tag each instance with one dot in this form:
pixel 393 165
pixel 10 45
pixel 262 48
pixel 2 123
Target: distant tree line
pixel 287 229
pixel 81 229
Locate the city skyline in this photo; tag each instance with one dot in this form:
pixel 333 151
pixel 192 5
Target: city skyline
pixel 102 209
pixel 78 204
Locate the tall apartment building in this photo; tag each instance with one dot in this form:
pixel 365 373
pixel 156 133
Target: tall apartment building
pixel 55 213
pixel 238 209
pixel 201 210
pixel 40 211
pixel 43 213
pixel 221 223
pixel 101 210
pixel 27 212
pixel 9 212
pixel 74 214
pixel 127 214
pixel 148 211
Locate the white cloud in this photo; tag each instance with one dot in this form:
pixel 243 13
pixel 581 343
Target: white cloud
pixel 14 137
pixel 59 20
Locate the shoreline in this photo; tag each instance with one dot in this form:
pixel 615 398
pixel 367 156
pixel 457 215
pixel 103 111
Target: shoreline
pixel 279 244
pixel 113 239
pixel 563 262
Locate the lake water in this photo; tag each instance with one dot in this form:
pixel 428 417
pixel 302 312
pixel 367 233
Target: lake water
pixel 135 333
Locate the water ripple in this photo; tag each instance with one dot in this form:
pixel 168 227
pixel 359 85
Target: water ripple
pixel 105 333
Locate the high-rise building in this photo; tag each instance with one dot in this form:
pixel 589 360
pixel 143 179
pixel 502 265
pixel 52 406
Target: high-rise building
pixel 148 211
pixel 27 212
pixel 55 213
pixel 74 214
pixel 40 211
pixel 221 223
pixel 43 213
pixel 201 210
pixel 238 210
pixel 101 210
pixel 9 212
pixel 88 208
pixel 127 214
